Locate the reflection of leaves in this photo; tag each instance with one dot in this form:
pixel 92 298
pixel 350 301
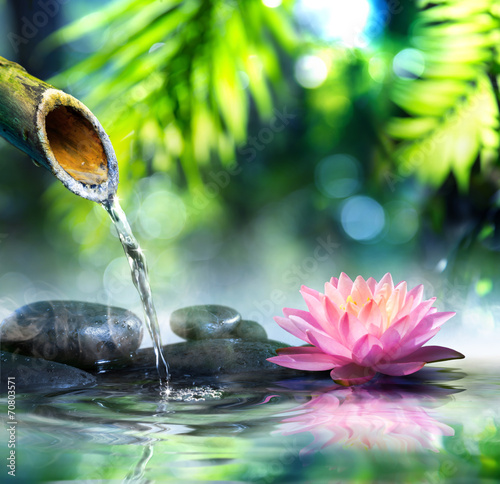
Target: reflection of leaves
pixel 451 109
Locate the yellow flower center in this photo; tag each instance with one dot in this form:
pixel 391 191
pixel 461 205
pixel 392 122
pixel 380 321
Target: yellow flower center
pixel 353 302
pixel 350 300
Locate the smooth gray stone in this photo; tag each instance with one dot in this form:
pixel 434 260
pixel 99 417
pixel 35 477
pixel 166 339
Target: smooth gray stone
pixel 76 333
pixel 204 322
pixel 249 331
pixel 35 374
pixel 213 357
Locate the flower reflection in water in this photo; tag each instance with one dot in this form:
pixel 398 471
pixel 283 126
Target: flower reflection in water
pixel 392 418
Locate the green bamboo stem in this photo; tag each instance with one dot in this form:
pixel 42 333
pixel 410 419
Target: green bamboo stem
pixel 58 132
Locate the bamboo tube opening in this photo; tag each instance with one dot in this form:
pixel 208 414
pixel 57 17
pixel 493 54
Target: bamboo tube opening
pixel 58 132
pixel 76 145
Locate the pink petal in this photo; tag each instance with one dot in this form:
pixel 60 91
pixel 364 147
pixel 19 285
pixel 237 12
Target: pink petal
pixel 367 350
pixel 438 318
pixel 426 328
pixel 411 341
pixel 311 292
pixel 422 309
pixel 334 295
pixel 312 351
pixel 417 338
pixel 328 345
pixel 333 315
pixel 421 339
pixel 387 279
pixel 305 315
pixel 292 328
pixel 351 329
pixel 306 328
pixel 302 363
pixel 399 369
pixel 416 293
pixel 345 285
pixel 430 354
pixel 352 374
pixel 334 282
pixel 372 284
pixel 402 287
pixel 396 300
pixel 305 358
pixel 405 309
pixel 315 307
pixel 419 313
pixel 371 318
pixel 392 338
pixel 361 293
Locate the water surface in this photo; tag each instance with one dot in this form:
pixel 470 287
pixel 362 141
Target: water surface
pixel 439 425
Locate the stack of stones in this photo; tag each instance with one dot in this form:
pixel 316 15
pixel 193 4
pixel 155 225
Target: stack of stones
pixel 218 342
pixel 50 339
pixel 48 344
pixel 214 322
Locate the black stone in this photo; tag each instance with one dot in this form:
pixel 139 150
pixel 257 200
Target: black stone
pixel 27 374
pixel 210 358
pixel 204 322
pixel 77 333
pixel 249 331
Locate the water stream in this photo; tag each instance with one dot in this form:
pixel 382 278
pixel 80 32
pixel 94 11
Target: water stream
pixel 139 271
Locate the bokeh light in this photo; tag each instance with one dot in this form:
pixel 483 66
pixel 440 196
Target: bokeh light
pixel 409 64
pixel 310 71
pixel 244 79
pixel 162 215
pixel 338 176
pixel 362 218
pixel 336 19
pixel 377 67
pixel 272 3
pixel 402 222
pixel 117 283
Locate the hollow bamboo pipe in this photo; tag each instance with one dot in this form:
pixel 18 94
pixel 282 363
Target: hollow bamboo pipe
pixel 58 132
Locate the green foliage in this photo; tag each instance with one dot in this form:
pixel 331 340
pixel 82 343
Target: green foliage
pixel 451 108
pixel 173 85
pixel 170 82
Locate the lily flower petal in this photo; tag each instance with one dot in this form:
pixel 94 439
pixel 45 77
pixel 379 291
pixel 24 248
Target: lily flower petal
pixel 363 327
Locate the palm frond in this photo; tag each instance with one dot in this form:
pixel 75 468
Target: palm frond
pixel 450 110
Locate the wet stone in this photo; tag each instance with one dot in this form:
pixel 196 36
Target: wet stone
pixel 249 331
pixel 30 374
pixel 204 322
pixel 76 333
pixel 212 358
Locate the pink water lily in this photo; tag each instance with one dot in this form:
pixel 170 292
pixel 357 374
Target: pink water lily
pixel 359 328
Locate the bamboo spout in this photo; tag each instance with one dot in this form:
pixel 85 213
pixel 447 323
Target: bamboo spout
pixel 57 131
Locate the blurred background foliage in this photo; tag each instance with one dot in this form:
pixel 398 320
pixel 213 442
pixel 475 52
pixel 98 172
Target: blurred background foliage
pixel 373 120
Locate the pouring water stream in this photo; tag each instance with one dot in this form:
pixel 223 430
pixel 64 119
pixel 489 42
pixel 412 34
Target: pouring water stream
pixel 139 270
